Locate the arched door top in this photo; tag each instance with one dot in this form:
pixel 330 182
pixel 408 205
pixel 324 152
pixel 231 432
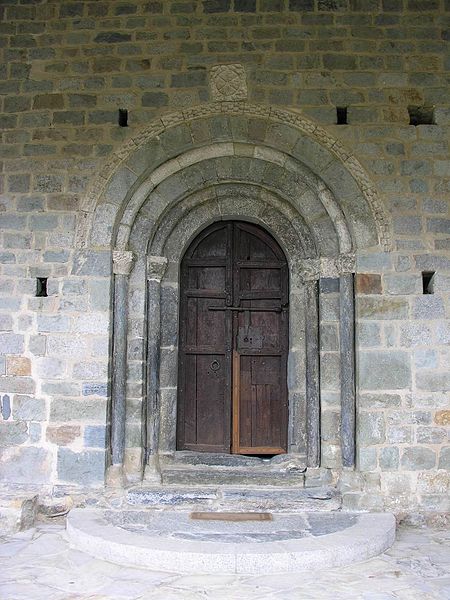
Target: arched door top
pixel 178 141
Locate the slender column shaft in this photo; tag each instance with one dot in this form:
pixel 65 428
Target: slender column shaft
pixel 154 339
pixel 312 375
pixel 156 267
pixel 347 346
pixel 122 265
pixel 119 369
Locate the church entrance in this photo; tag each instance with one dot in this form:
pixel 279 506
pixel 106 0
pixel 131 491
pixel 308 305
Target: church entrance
pixel 234 320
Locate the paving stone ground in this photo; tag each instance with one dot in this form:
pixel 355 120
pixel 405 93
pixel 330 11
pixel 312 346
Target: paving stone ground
pixel 39 564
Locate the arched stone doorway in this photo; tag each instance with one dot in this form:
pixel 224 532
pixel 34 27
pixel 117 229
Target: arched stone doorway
pixel 163 301
pixel 229 161
pixel 233 348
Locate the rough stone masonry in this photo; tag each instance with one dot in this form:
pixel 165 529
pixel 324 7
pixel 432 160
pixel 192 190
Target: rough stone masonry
pixel 239 97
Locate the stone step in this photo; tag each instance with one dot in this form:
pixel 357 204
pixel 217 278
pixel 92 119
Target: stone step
pixel 226 498
pixel 199 475
pixel 174 542
pixel 227 460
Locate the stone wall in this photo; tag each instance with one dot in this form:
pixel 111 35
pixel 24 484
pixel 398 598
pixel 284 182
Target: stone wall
pixel 67 68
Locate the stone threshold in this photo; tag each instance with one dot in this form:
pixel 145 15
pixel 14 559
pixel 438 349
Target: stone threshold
pixel 287 470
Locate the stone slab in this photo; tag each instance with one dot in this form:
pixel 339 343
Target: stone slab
pixel 289 543
pixel 157 497
pixel 183 476
pixel 275 499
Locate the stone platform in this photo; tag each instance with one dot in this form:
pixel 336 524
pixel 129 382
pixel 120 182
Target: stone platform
pixel 173 541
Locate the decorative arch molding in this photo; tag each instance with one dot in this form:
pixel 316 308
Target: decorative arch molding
pixel 237 199
pixel 304 193
pixel 172 233
pixel 171 137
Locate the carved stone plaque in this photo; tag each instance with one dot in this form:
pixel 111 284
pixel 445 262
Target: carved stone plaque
pixel 228 82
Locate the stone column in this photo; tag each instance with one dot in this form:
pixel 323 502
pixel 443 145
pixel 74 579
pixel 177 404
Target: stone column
pixel 312 374
pixel 347 348
pixel 122 265
pixel 156 267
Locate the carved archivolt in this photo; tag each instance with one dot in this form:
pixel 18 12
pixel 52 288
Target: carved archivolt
pixel 272 114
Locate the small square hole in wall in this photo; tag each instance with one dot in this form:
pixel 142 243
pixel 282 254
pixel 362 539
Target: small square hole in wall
pixel 421 115
pixel 123 117
pixel 41 287
pixel 341 115
pixel 428 282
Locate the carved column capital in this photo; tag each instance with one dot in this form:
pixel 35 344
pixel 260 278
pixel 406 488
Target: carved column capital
pixel 347 263
pixel 329 267
pixel 156 267
pixel 122 262
pixel 310 269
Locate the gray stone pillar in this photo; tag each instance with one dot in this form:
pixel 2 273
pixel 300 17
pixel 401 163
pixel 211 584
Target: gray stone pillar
pixel 347 347
pixel 312 374
pixel 156 267
pixel 122 265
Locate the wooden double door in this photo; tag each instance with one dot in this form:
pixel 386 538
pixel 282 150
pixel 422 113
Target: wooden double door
pixel 232 389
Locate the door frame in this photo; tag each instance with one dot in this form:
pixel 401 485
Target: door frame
pixel 162 299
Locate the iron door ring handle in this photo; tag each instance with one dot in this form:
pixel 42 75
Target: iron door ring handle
pixel 215 365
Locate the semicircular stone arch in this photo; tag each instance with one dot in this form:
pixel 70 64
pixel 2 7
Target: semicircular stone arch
pixel 306 198
pixel 234 200
pixel 283 139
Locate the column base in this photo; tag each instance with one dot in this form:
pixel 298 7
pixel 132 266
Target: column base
pixel 115 476
pixel 152 471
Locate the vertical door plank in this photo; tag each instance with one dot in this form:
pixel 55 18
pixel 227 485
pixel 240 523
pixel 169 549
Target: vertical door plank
pixel 236 402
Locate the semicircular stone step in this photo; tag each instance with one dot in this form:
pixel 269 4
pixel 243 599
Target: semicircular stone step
pixel 175 542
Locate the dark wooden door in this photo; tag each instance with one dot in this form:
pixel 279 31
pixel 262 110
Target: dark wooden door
pixel 233 342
